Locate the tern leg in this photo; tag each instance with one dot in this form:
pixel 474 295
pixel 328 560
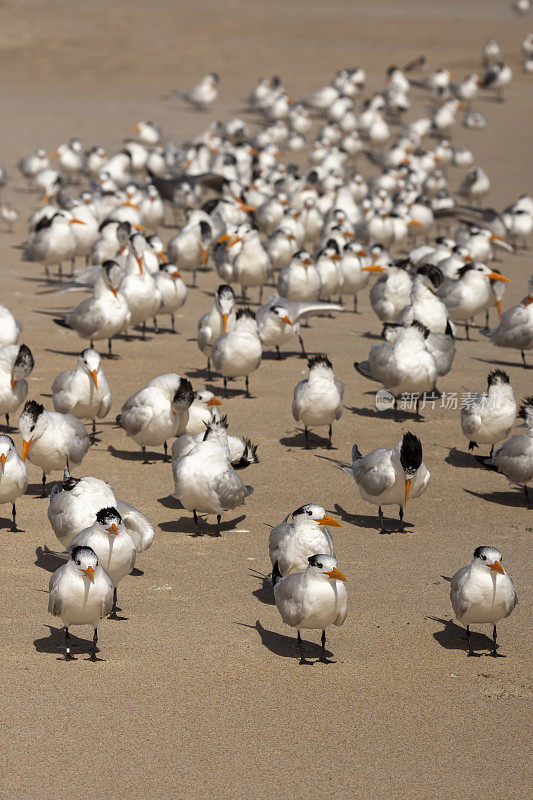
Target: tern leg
pixel 416 407
pixel 145 457
pixel 113 614
pixel 355 304
pixel 306 434
pixel 173 324
pixel 303 659
pixel 243 293
pixel 402 526
pixel 261 295
pixel 217 533
pixel 225 387
pixel 47 272
pixel 196 531
pixel 279 354
pixel 487 318
pixel 247 387
pixel 166 458
pixel 144 330
pixel 156 329
pixel 467 330
pixel 208 367
pixel 7 420
pixel 72 265
pixel 60 270
pixel 304 354
pixel 495 653
pixel 381 525
pixel 329 437
pixel 109 347
pixel 491 451
pixel 470 651
pixel 93 657
pixel 44 485
pixel 194 281
pixel 68 654
pixel 523 358
pixel 323 652
pixel 276 574
pixel 14 528
pixel 93 430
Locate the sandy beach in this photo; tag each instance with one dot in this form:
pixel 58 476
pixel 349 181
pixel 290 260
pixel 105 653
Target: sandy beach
pixel 200 694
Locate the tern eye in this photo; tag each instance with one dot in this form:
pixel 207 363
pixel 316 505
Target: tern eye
pixel 309 513
pixel 484 558
pixel 78 563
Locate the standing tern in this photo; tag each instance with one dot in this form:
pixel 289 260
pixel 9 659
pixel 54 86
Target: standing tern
pixel 515 328
pixel 292 541
pixel 483 593
pixel 13 478
pixel 204 480
pixel 81 593
pixel 488 418
pixel 50 440
pixel 389 477
pixel 317 400
pixel 219 319
pixel 83 391
pixel 16 363
pixel 238 352
pixel 316 598
pixel 514 458
pixel 203 94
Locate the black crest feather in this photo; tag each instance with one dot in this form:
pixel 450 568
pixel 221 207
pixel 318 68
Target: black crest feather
pixel 497 376
pixel 410 452
pixel 420 327
pixel 322 359
pixel 107 515
pixel 245 312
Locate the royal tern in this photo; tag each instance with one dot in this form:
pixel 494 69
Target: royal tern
pixel 83 391
pixel 316 598
pixel 389 477
pixel 475 185
pixel 189 248
pixel 317 400
pixel 30 166
pixel 482 593
pixel 157 412
pixel 488 418
pixel 138 285
pixel 238 352
pixel 13 478
pixel 53 242
pixel 173 291
pixel 202 411
pixel 113 545
pixel 81 593
pixel 300 281
pixel 219 319
pixel 514 458
pixel 51 440
pixel 392 291
pixel 203 94
pixel 147 132
pixel 470 293
pixel 292 541
pixel 497 76
pixel 75 501
pixel 16 363
pixel 515 328
pixel 424 306
pixel 242 452
pixel 204 480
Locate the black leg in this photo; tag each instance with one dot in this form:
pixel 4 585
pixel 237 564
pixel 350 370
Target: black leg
pixel 144 330
pixel 208 367
pixel 7 420
pixel 91 343
pixel 279 354
pixel 14 528
pixel 487 318
pixel 93 657
pixel 523 358
pixel 94 430
pixel 471 445
pixel 261 295
pixel 306 434
pixel 173 324
pixel 166 458
pixel 355 303
pixel 109 348
pixel 304 354
pixel 402 526
pixel 495 653
pixel 491 451
pixel 247 387
pixel 196 530
pixel 217 533
pixel 68 654
pixel 329 436
pixel 381 525
pixel 225 387
pixel 44 485
pixel 145 457
pixel 194 278
pixel 303 659
pixel 417 405
pixel 467 330
pixel 156 329
pixel 470 651
pixel 113 614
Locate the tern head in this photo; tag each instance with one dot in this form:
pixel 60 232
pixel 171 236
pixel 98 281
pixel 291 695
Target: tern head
pixel 410 458
pixel 110 520
pixel 113 274
pixel 86 560
pixel 303 257
pixel 497 377
pixel 216 429
pixel 311 512
pixel 28 423
pixel 326 566
pixel 171 270
pixel 183 397
pixel 245 319
pixel 418 326
pixel 89 360
pixel 282 314
pixel 320 362
pixel 488 558
pixel 23 365
pixel 206 398
pixel 431 275
pixel 7 448
pixel 225 302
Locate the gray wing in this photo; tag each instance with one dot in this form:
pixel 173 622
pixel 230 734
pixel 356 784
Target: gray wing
pixel 135 415
pixel 138 527
pixel 299 390
pixel 340 389
pixel 374 472
pixel 55 605
pixel 229 488
pixel 363 368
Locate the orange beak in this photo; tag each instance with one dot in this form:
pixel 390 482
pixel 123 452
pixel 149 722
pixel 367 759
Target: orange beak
pixel 494 276
pixel 361 253
pixel 373 268
pixel 499 307
pixel 89 572
pixel 214 402
pixel 287 320
pixel 329 521
pixel 135 129
pixel 95 379
pixel 55 154
pixel 233 241
pixel 224 321
pixel 407 487
pixel 307 262
pixel 140 263
pixel 336 257
pixel 348 235
pixel 13 383
pixel 25 447
pixel 223 238
pixel 162 256
pixel 139 227
pixel 204 256
pixel 497 567
pixel 78 221
pixel 46 198
pixel 176 274
pixel 243 206
pixel 495 238
pixel 336 574
pixel 131 205
pixel 114 291
pixel 529 300
pixel 468 258
pixel 3 460
pixel 112 529
pixel 415 223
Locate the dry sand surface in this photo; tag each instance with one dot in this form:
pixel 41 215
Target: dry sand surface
pixel 200 694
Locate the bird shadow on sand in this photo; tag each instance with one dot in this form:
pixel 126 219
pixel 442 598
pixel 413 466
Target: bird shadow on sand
pixel 48 559
pixel 285 646
pixel 396 416
pixel 368 335
pixel 271 355
pixel 136 455
pixel 199 374
pixel 365 521
pixel 493 361
pixel 186 525
pixel 513 499
pixel 315 441
pixel 9 429
pixel 6 523
pixel 71 353
pixel 219 391
pixel 453 637
pixel 462 459
pixel 265 592
pixel 55 643
pixel 170 501
pixel 36 489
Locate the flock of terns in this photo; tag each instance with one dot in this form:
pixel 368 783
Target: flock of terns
pixel 317 234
